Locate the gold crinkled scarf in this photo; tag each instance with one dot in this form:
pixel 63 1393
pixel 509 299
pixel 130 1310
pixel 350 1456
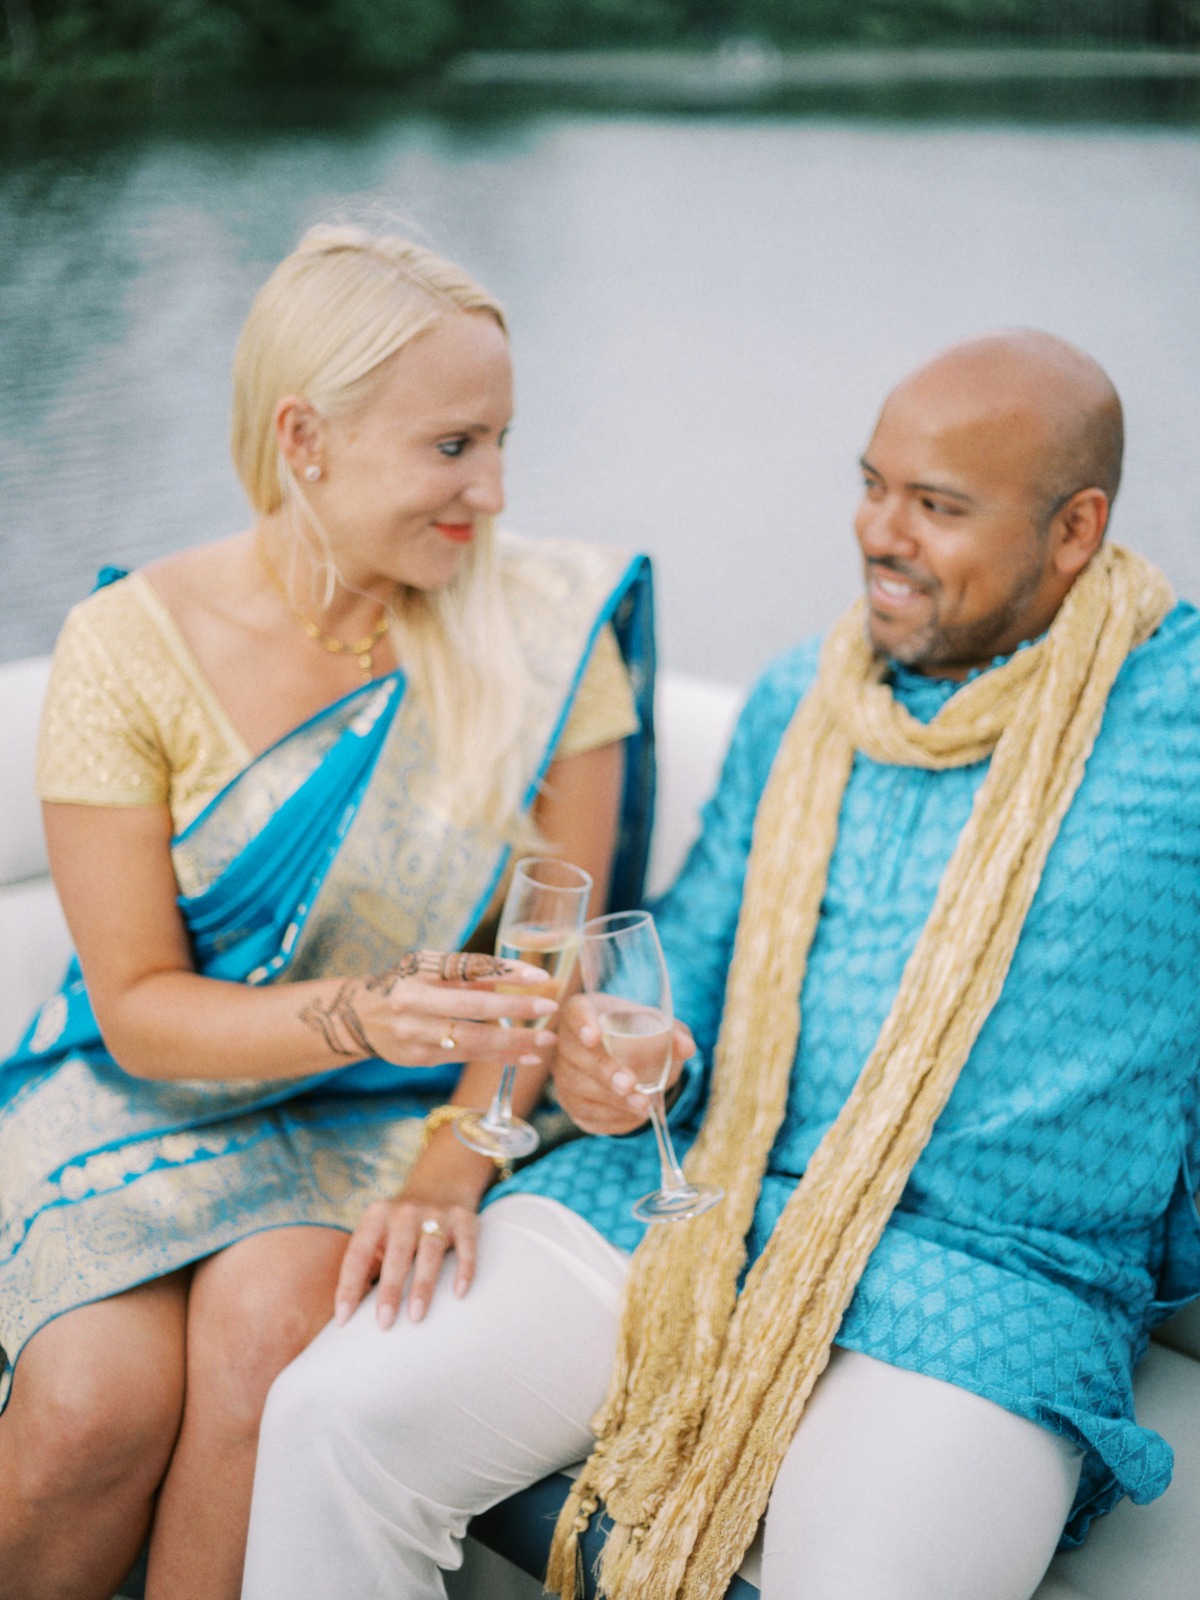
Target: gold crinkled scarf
pixel 708 1385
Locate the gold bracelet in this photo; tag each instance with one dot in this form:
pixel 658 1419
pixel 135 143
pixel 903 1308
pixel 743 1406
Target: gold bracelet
pixel 440 1116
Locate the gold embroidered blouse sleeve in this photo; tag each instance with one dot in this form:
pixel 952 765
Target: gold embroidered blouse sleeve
pixel 124 722
pixel 604 710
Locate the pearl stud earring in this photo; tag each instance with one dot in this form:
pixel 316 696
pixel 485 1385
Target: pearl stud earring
pixel 312 472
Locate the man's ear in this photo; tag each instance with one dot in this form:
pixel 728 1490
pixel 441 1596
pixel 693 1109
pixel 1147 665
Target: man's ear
pixel 1077 530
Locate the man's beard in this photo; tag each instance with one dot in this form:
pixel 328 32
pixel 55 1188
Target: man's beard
pixel 970 644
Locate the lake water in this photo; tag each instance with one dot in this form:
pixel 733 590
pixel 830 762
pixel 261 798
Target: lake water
pixel 706 311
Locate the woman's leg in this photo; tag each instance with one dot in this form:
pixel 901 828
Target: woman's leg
pixel 378 1447
pixel 902 1487
pixel 84 1443
pixel 251 1309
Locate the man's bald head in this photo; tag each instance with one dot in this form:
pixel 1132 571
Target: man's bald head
pixel 986 490
pixel 1059 402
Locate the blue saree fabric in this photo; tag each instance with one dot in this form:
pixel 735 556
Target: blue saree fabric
pixel 328 853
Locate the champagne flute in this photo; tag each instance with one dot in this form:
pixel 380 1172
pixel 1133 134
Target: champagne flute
pixel 626 977
pixel 543 913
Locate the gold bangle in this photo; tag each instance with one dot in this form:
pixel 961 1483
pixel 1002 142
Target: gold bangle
pixel 440 1116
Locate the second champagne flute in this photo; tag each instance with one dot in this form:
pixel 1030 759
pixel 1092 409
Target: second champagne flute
pixel 543 912
pixel 626 978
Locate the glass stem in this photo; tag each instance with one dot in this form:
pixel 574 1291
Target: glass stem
pixel 499 1113
pixel 673 1179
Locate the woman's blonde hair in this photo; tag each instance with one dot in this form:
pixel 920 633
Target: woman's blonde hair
pixel 325 325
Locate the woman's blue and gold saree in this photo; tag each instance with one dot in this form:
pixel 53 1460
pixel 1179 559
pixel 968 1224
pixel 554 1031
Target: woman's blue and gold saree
pixel 327 854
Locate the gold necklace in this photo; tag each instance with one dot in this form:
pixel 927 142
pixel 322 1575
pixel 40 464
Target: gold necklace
pixel 363 650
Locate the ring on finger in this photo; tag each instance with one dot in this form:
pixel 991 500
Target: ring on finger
pixel 432 1229
pixel 448 1041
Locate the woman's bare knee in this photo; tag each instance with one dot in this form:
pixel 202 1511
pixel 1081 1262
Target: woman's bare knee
pixel 96 1402
pixel 253 1309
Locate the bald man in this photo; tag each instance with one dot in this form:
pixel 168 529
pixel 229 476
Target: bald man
pixel 977 1405
pixel 987 485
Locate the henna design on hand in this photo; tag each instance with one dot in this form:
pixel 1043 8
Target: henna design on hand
pixel 454 966
pixel 336 1019
pixel 408 966
pixel 461 967
pixel 338 1022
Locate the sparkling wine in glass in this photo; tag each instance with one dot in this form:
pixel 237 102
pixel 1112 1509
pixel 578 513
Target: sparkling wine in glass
pixel 626 977
pixel 543 913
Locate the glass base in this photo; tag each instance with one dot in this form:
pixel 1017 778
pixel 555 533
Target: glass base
pixel 508 1139
pixel 676 1205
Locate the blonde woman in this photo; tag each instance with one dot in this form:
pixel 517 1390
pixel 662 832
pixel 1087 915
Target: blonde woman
pixel 276 769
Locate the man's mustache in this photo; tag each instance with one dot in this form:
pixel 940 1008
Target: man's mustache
pixel 922 580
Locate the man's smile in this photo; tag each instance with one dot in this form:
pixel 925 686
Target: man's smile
pixel 888 588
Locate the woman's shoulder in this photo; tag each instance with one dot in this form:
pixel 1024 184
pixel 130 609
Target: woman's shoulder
pixel 149 599
pixel 119 613
pixel 558 593
pixel 199 578
pixel 562 569
pixel 125 686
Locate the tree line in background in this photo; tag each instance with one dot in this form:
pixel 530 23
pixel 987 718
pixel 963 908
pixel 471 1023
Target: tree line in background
pixel 173 41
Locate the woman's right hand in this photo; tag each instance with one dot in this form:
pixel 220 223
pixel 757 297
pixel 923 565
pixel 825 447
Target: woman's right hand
pixel 404 1241
pixel 163 1020
pixel 434 1007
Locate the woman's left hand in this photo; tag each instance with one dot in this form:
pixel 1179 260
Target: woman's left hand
pixel 409 1236
pixel 411 1233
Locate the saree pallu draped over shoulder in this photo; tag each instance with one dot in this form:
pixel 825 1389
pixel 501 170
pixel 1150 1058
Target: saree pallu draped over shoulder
pixel 331 853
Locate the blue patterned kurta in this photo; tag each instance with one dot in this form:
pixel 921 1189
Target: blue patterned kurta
pixel 1049 1221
